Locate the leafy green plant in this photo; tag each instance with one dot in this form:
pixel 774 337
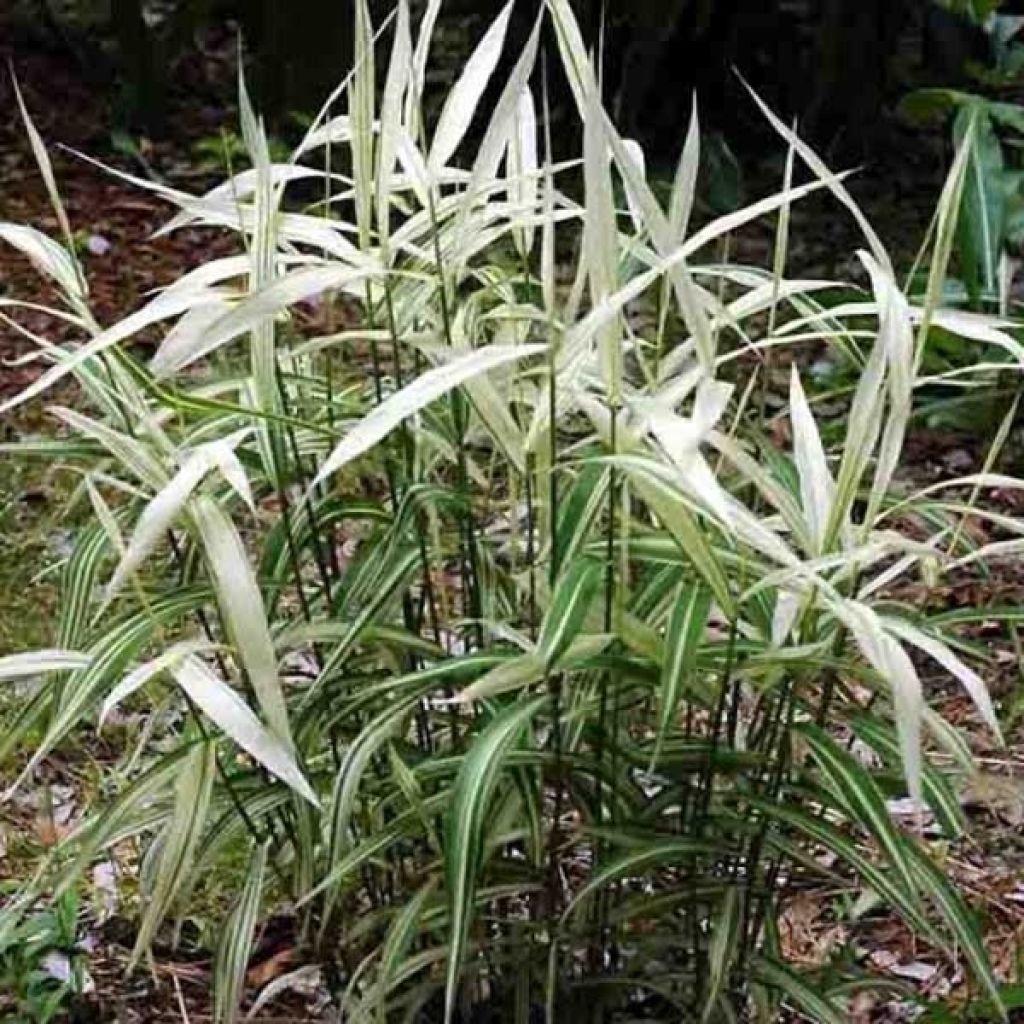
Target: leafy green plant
pixel 35 955
pixel 976 11
pixel 212 152
pixel 992 206
pixel 491 621
pixel 980 1011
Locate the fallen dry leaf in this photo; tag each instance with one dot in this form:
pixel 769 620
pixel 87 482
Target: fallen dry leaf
pixel 268 969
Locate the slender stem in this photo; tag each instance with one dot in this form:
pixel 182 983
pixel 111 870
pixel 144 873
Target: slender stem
pixel 310 508
pixel 604 686
pixel 468 564
pixel 531 549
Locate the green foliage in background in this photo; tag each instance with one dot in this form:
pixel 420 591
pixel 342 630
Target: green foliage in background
pixel 991 224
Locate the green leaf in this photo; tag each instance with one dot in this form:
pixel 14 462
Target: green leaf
pixel 107 657
pixel 862 797
pixel 982 220
pixel 574 593
pixel 933 105
pixel 357 757
pixel 651 854
pixel 579 508
pixel 178 842
pixel 235 946
pixel 904 900
pixel 399 940
pixel 959 920
pixel 526 669
pixel 938 792
pixel 804 996
pixel 119 818
pixel 683 634
pixel 388 582
pixel 465 827
pixel 724 935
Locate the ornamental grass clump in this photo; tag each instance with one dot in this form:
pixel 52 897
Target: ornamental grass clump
pixel 491 627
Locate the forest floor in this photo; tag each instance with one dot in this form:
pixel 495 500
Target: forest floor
pixel 113 223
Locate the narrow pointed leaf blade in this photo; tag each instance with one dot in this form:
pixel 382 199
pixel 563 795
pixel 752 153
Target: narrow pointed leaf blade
pixel 462 101
pixel 229 712
pixel 572 598
pixel 466 826
pixel 415 396
pixel 35 663
pixel 683 635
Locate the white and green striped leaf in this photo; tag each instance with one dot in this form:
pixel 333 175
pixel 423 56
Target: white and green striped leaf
pixel 36 663
pixel 573 595
pixel 683 635
pixel 465 828
pixel 230 713
pixel 235 946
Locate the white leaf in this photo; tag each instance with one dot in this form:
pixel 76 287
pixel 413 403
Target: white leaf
pixel 307 981
pixel 419 61
pixel 414 168
pixel 243 611
pixel 46 255
pixel 710 403
pixel 33 663
pixel 817 488
pixel 141 675
pixel 421 392
pixel 214 272
pixel 575 59
pixel 787 605
pixel 495 142
pixel 163 307
pixel 579 335
pixel 243 185
pixel 187 334
pixel 462 101
pixel 833 182
pixel 391 118
pixel 680 439
pixel 972 682
pixel 45 169
pixel 162 512
pixel 685 183
pixel 896 336
pixel 179 351
pixel 522 167
pixel 600 241
pixel 635 154
pixel 231 714
pixel 131 453
pixel 892 663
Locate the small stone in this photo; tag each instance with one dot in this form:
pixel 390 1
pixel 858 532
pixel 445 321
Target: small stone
pixel 98 245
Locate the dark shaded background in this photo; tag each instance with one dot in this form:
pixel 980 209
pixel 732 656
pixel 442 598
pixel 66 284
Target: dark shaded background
pixel 154 80
pixel 837 65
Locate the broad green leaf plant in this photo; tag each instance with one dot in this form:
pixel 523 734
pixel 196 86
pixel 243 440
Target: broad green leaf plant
pixel 490 626
pixel 991 220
